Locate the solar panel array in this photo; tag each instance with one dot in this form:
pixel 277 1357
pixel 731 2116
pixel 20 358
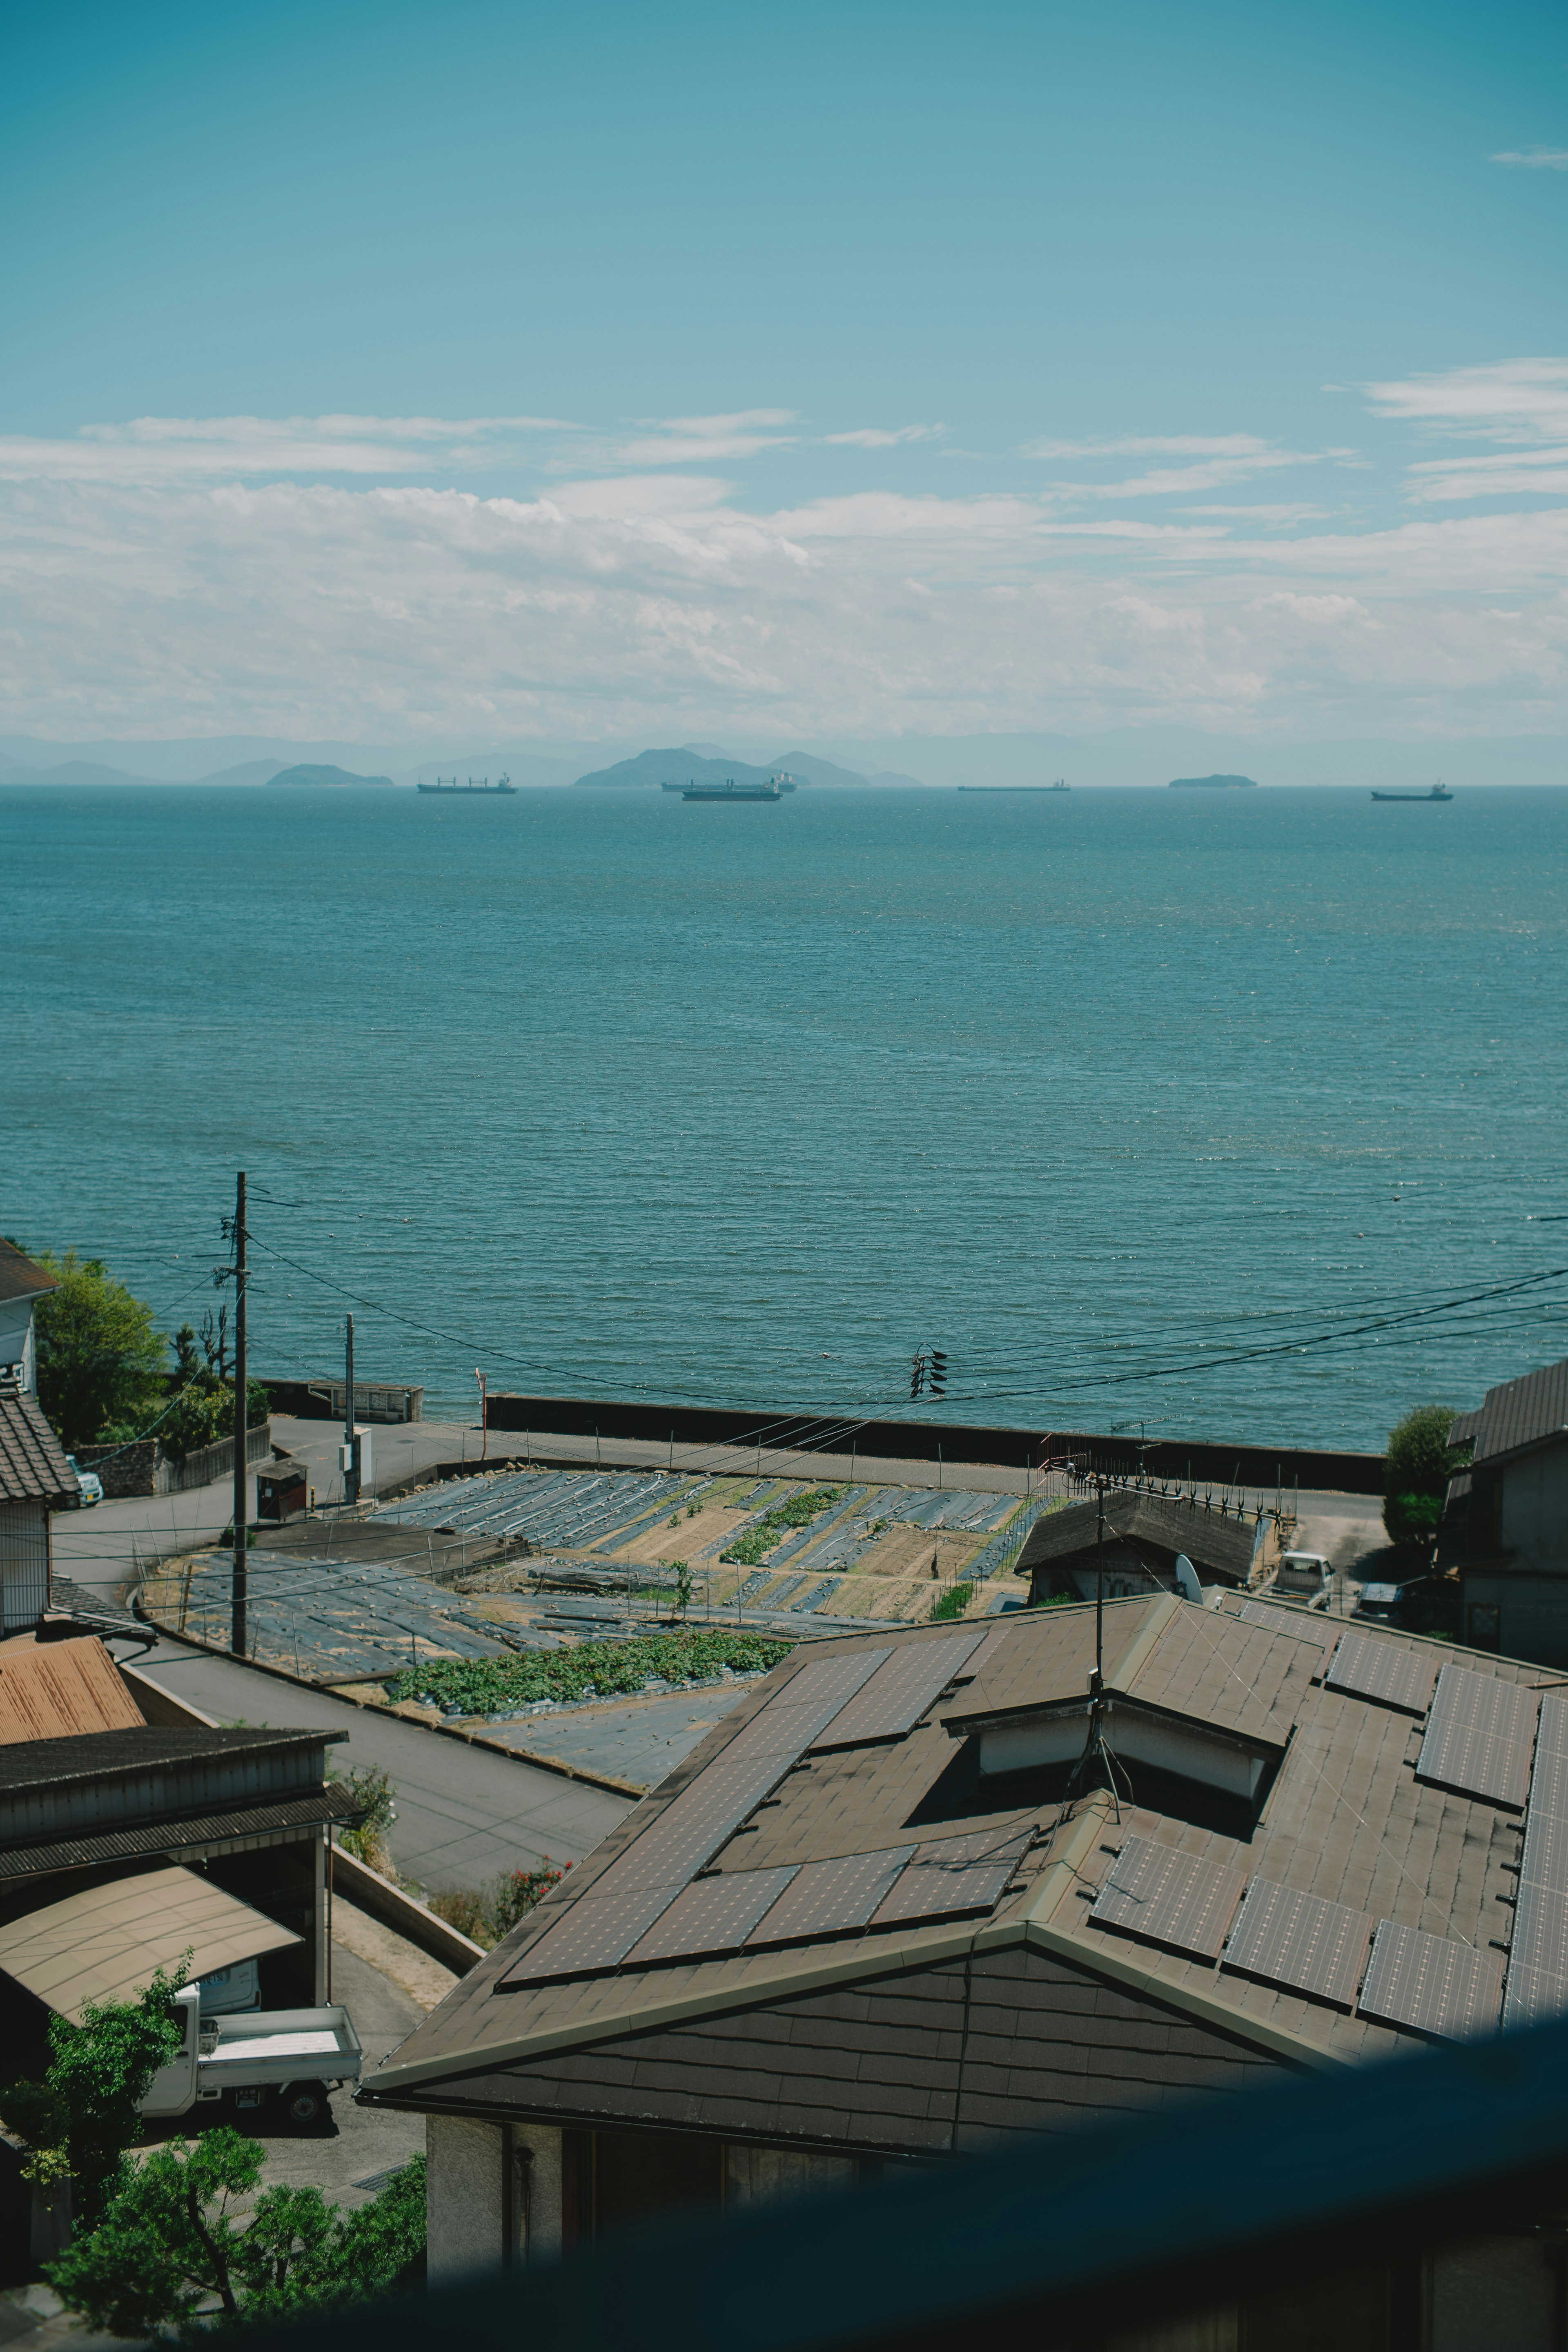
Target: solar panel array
pixel 899 1692
pixel 1538 1956
pixel 826 1898
pixel 1431 1984
pixel 1299 1940
pixel 610 1916
pixel 1383 1671
pixel 1479 1737
pixel 1281 1621
pixel 1169 1896
pixel 950 1876
pixel 713 1915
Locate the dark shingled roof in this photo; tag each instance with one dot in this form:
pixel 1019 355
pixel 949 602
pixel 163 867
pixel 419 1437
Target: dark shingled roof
pixel 912 2036
pixel 19 1277
pixel 1517 1413
pixel 1222 1544
pixel 122 1755
pixel 33 1468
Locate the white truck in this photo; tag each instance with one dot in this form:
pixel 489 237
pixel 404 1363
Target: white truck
pixel 1302 1574
pixel 255 2055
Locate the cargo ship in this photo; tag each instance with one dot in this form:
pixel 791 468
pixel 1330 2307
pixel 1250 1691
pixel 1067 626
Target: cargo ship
pixel 485 785
pixel 732 791
pixel 1439 792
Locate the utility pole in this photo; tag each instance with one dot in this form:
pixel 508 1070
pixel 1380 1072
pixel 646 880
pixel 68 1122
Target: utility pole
pixel 351 1443
pixel 239 1590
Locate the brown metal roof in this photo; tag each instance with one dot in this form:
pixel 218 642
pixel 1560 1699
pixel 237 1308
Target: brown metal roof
pixel 19 1277
pixel 58 1688
pixel 1519 1413
pixel 33 1466
pixel 731 2036
pixel 1167 1524
pixel 105 1942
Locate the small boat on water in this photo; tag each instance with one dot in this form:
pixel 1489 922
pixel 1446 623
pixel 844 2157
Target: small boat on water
pixel 505 785
pixel 1439 792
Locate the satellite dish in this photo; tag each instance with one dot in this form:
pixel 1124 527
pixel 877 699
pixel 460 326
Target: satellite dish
pixel 1187 1583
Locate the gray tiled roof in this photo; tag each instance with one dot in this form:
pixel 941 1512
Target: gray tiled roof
pixel 853 2039
pixel 33 1467
pixel 19 1277
pixel 1208 1539
pixel 1519 1413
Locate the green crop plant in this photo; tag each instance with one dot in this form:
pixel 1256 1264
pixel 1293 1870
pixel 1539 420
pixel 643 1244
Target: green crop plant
pixel 954 1603
pixel 589 1669
pixel 798 1512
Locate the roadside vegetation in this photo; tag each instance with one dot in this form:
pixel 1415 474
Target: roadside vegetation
pixel 158 2254
pixel 1416 1470
pixel 490 1912
pixel 587 1669
pixel 952 1603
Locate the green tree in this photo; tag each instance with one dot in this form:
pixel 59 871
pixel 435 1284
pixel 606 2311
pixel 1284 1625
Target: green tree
pixel 85 2113
pixel 100 1362
pixel 170 2262
pixel 1416 1470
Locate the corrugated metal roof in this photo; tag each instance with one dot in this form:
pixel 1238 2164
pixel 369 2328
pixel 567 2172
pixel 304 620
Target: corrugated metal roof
pixel 50 1691
pixel 105 1942
pixel 180 1834
pixel 19 1277
pixel 33 1468
pixel 125 1754
pixel 1209 1540
pixel 1521 1412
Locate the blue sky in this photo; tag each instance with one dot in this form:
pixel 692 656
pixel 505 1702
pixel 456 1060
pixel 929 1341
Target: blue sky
pixel 607 370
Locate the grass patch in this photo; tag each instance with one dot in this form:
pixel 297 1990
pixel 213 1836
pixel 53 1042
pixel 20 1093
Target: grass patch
pixel 954 1603
pixel 588 1670
pixel 798 1512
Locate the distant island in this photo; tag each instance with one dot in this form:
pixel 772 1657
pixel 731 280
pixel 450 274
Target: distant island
pixel 1212 783
pixel 693 763
pixel 317 776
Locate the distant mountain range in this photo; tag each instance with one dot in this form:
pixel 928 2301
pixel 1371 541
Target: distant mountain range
pixel 331 777
pixel 705 763
pixel 89 772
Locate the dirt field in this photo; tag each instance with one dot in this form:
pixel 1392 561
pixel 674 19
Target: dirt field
pixel 661 1542
pixel 909 1552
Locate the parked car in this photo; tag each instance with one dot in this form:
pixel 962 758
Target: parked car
pixel 1380 1602
pixel 1305 1573
pixel 90 1484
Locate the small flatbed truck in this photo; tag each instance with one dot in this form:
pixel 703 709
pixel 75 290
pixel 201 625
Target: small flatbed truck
pixel 255 2057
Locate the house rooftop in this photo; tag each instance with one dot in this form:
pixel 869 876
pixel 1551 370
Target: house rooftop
pixel 1516 1414
pixel 33 1467
pixel 1210 1539
pixel 19 1277
pixel 1298 1798
pixel 127 1753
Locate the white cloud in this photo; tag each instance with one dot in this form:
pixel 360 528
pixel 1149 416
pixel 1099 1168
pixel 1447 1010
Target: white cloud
pixel 1171 444
pixel 1535 158
pixel 873 437
pixel 201 597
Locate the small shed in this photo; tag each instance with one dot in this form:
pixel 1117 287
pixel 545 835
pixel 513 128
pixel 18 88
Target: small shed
pixel 282 1488
pixel 1143 1536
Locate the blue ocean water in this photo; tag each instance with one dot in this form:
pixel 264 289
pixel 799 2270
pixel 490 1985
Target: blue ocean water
pixel 614 1095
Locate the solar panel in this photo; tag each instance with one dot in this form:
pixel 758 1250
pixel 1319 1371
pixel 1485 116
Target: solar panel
pixel 1552 1735
pixel 1544 1860
pixel 1169 1896
pixel 826 1898
pixel 1455 1756
pixel 899 1692
pixel 1299 1940
pixel 713 1915
pixel 1383 1671
pixel 1549 1785
pixel 1532 1998
pixel 951 1876
pixel 1486 1703
pixel 1539 1929
pixel 1432 1984
pixel 605 1921
pixel 1281 1621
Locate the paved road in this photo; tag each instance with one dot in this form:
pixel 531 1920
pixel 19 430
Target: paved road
pixel 463 1813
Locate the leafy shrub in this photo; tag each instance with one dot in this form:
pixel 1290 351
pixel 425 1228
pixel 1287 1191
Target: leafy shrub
pixel 798 1512
pixel 1416 1470
pixel 376 1801
pixel 597 1669
pixel 486 1914
pixel 85 2114
pixel 100 1361
pixel 954 1602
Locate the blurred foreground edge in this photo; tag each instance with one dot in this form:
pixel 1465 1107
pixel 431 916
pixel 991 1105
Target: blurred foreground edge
pixel 1420 2203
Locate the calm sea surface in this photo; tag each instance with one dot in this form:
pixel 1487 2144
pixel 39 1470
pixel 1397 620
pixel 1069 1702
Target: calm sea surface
pixel 629 1098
